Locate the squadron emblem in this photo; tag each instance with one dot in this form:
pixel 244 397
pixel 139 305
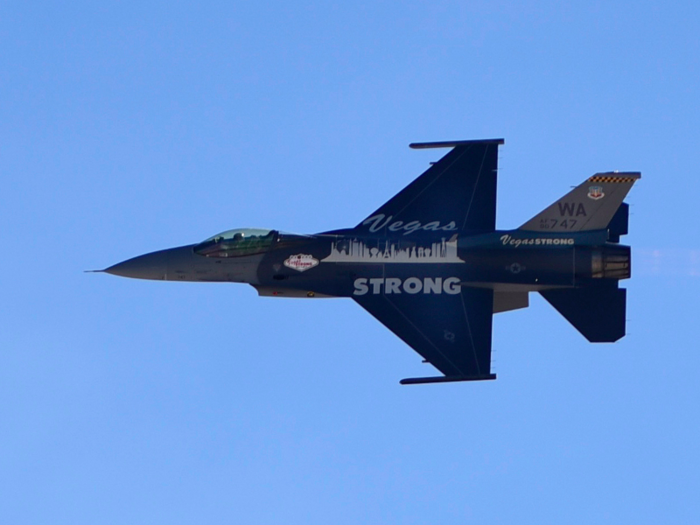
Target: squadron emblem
pixel 595 192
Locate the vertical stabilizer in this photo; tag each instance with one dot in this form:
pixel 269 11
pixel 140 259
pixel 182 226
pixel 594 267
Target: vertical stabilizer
pixel 590 206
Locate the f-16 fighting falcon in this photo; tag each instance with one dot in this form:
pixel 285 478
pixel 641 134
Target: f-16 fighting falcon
pixel 431 266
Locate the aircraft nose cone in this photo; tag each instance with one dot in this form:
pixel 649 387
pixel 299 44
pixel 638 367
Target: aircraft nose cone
pixel 150 266
pixel 141 267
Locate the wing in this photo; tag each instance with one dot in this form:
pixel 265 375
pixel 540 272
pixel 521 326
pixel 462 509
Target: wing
pixel 459 190
pixel 451 332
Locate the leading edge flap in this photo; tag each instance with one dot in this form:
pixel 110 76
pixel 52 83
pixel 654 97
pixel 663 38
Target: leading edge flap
pixel 452 331
pixel 457 193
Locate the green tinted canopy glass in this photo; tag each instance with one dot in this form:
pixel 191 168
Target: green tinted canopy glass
pixel 236 243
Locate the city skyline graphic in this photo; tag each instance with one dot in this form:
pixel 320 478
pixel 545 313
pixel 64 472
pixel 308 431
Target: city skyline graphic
pixel 392 252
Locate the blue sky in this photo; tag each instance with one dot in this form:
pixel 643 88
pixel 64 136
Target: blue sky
pixel 129 127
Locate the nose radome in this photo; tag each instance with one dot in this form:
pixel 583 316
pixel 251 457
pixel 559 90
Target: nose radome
pixel 141 267
pixel 150 266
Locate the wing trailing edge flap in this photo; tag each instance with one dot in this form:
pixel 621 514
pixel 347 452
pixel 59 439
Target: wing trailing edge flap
pixel 456 193
pixel 451 332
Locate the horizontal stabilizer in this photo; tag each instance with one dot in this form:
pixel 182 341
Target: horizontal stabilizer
pixel 598 312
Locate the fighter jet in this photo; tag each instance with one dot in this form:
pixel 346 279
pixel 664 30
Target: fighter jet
pixel 431 266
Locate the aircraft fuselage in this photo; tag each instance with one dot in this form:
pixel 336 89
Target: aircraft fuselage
pixel 341 265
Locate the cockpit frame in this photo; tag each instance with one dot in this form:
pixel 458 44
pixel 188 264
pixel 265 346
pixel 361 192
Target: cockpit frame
pixel 239 242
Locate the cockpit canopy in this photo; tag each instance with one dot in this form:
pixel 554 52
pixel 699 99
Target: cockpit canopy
pixel 237 243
